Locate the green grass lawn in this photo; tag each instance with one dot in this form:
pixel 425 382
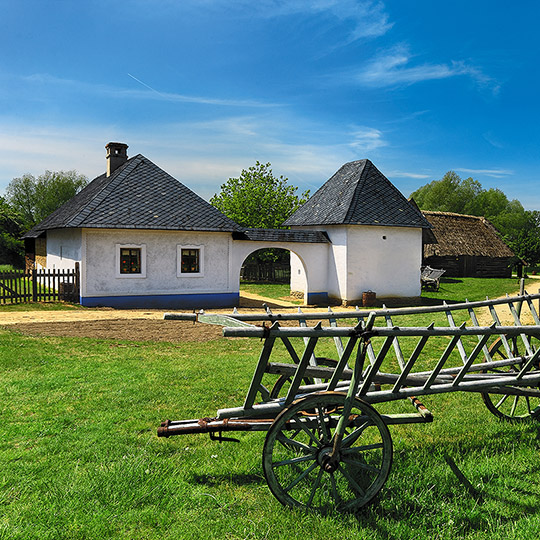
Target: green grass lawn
pixel 277 291
pixel 40 306
pixel 79 456
pixel 458 289
pixel 451 289
pixel 80 459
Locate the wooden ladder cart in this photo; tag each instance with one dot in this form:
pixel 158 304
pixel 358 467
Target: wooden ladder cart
pixel 327 447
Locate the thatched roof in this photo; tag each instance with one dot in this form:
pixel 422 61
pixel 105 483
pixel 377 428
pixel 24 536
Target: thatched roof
pixel 459 234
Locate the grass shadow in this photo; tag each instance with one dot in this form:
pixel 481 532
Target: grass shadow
pixel 239 479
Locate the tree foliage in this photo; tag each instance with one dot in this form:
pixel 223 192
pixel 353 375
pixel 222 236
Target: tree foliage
pixel 11 229
pixel 35 198
pixel 258 199
pixel 28 201
pixel 519 228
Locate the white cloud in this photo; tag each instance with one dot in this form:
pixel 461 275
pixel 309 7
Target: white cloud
pixel 401 174
pixel 492 139
pixel 365 18
pixel 148 93
pixel 366 139
pixel 394 67
pixel 494 173
pixel 202 155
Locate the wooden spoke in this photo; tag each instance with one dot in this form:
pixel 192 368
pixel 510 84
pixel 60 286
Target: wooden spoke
pixel 352 437
pixel 509 407
pixel 293 461
pixel 291 442
pixel 305 472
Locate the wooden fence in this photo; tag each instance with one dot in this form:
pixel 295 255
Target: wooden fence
pixel 269 272
pixel 19 286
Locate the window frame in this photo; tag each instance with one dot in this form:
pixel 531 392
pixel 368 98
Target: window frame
pixel 179 272
pixel 139 275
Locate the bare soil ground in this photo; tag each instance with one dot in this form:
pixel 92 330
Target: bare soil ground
pixel 124 329
pixel 149 325
pixel 130 325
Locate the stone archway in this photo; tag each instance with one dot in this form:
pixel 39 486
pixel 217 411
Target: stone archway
pixel 310 264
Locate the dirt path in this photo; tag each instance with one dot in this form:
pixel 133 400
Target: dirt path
pixel 504 313
pixel 124 324
pixel 149 325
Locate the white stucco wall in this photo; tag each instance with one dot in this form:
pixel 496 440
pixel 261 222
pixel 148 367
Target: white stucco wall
pixel 298 274
pixel 308 262
pixel 385 260
pixel 100 276
pixel 329 271
pixel 64 248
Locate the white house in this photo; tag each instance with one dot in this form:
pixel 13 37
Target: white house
pixel 375 235
pixel 143 239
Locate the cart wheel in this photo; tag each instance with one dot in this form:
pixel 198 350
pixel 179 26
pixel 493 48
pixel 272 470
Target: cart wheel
pixel 285 380
pixel 298 444
pixel 508 406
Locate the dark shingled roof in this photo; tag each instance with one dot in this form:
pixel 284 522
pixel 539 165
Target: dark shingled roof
pixel 282 235
pixel 138 195
pixel 459 234
pixel 358 194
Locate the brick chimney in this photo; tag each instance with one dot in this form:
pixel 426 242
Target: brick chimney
pixel 116 156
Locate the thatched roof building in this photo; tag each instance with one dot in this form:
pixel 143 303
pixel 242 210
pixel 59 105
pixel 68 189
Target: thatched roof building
pixel 466 246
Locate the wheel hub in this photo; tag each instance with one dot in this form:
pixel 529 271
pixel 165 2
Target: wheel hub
pixel 325 459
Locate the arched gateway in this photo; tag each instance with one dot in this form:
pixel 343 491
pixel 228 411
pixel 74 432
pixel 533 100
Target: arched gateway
pixel 143 239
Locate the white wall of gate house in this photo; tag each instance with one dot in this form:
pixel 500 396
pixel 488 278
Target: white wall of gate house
pixel 385 260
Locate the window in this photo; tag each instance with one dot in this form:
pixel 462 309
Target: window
pixel 190 261
pixel 131 261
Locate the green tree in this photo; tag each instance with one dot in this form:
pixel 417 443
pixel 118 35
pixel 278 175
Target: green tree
pixel 258 199
pixel 35 198
pixel 523 237
pixel 450 194
pixel 519 228
pixel 11 229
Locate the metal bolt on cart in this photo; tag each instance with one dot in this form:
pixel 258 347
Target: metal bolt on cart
pixel 327 446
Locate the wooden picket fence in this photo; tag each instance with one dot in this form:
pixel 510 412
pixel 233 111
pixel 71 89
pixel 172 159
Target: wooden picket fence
pixel 19 286
pixel 266 272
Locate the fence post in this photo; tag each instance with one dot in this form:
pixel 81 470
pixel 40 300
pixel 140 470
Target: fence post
pixel 77 281
pixel 34 285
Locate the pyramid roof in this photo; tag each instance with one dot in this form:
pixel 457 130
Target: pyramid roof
pixel 358 194
pixel 137 195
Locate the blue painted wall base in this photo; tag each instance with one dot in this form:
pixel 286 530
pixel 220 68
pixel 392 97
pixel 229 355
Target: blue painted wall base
pixel 166 301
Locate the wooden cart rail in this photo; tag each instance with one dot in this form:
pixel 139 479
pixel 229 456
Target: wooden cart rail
pixel 268 315
pixel 479 372
pixel 326 446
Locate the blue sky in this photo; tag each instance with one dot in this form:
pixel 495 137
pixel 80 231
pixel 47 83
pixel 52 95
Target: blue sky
pixel 204 88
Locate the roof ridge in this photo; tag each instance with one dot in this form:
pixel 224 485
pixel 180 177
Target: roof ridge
pixel 360 182
pixel 455 214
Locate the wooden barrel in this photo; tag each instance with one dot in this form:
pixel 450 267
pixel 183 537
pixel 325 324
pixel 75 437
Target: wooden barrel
pixel 369 298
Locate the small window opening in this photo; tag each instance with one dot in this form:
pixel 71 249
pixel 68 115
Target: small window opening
pixel 190 261
pixel 130 260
